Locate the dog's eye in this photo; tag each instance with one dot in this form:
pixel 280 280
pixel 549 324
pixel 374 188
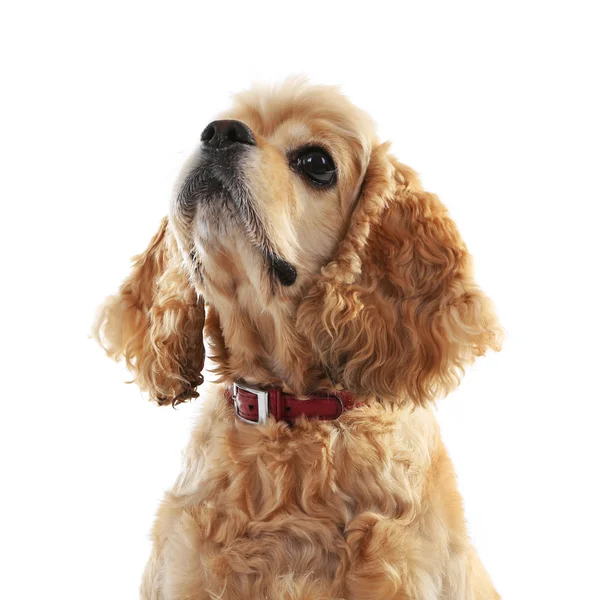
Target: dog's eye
pixel 317 165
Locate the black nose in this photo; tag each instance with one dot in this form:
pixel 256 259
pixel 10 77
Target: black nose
pixel 219 134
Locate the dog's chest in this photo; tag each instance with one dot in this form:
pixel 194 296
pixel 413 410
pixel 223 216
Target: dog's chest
pixel 259 504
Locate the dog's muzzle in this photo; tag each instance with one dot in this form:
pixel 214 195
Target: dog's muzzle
pixel 217 171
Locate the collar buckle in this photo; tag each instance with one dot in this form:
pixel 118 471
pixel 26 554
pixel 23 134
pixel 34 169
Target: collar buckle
pixel 262 396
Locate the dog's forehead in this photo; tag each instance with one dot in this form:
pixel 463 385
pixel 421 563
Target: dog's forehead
pixel 297 110
pixel 292 131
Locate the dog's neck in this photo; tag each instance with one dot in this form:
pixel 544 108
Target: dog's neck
pixel 264 351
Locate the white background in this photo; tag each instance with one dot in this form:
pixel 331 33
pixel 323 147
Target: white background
pixel 101 102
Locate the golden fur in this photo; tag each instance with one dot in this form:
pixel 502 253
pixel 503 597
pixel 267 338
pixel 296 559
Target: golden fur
pixel 384 305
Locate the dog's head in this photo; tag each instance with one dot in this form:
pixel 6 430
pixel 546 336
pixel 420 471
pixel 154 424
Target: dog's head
pixel 322 260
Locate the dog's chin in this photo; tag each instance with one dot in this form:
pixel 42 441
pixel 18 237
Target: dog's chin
pixel 215 196
pixel 219 212
pixel 202 191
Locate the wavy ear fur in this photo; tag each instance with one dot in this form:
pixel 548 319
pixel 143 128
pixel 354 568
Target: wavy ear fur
pixel 155 323
pixel 397 314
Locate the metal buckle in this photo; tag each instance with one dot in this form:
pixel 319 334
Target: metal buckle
pixel 262 403
pixel 341 404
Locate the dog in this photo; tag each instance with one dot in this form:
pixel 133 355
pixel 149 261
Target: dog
pixel 338 301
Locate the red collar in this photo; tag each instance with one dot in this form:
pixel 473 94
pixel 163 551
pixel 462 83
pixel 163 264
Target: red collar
pixel 254 405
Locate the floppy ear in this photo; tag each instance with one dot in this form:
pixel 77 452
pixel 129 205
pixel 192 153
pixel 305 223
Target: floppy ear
pixel 397 313
pixel 155 323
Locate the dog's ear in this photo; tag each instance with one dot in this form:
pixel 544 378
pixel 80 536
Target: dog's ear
pixel 155 323
pixel 397 313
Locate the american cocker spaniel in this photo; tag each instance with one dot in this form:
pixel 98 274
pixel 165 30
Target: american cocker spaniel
pixel 338 302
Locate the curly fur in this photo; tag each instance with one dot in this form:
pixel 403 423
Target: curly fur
pixel 385 305
pixel 155 323
pixel 397 312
